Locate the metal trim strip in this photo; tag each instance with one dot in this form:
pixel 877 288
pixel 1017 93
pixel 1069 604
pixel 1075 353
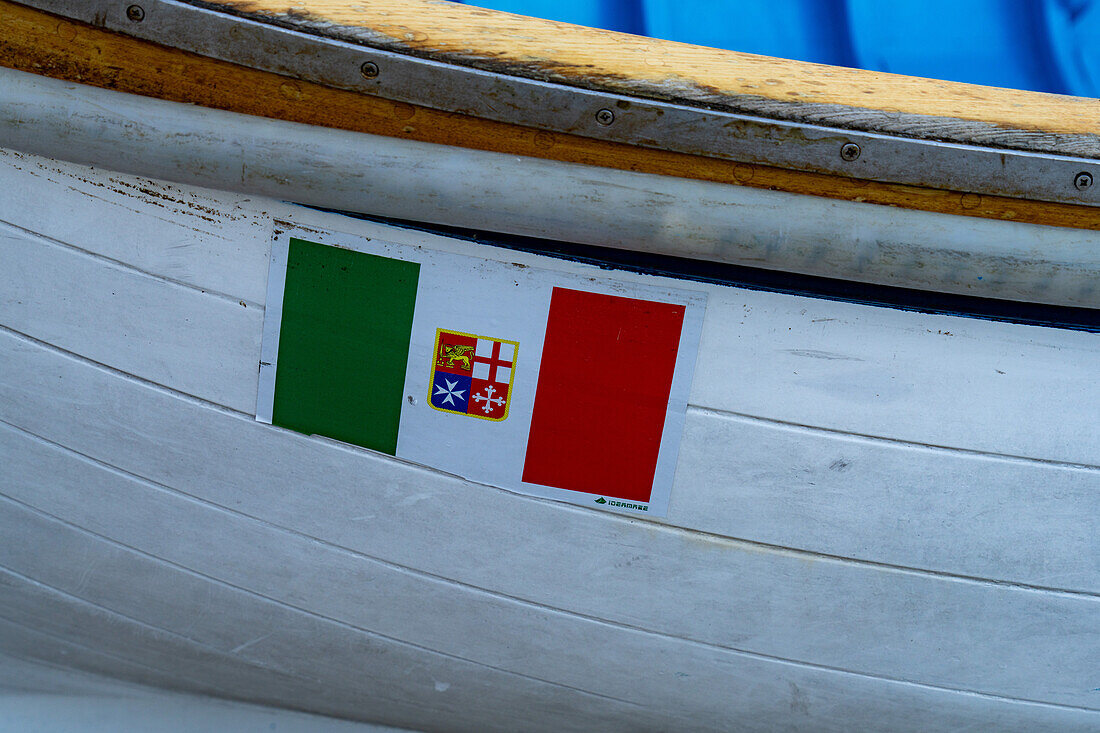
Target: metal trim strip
pixel 535 197
pixel 597 115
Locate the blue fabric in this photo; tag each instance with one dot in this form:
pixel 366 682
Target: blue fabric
pixel 1041 45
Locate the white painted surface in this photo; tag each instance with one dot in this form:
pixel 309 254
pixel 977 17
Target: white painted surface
pixel 908 505
pixel 69 298
pixel 39 698
pixel 158 615
pixel 837 614
pixel 351 676
pixel 182 233
pixel 158 533
pixel 938 380
pixel 506 193
pixel 750 478
pixel 821 363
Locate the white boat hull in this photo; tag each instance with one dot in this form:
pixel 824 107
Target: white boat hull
pixel 881 520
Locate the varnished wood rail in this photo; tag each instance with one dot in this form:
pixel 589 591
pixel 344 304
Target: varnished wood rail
pixel 38 42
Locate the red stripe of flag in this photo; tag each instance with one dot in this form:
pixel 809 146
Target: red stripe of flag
pixel 602 394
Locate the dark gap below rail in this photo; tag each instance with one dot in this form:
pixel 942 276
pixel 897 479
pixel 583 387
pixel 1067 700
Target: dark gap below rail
pixel 753 278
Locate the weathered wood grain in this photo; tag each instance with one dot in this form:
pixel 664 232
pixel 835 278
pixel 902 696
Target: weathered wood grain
pixel 619 62
pixel 964 383
pixel 43 44
pixel 331 670
pixel 826 612
pixel 21 638
pixel 823 491
pixel 213 241
pixel 837 366
pixel 888 502
pixel 138 652
pixel 297 535
pixel 224 376
pixel 21 676
pixel 780 475
pixel 810 702
pixel 38 696
pixel 425 611
pixel 65 295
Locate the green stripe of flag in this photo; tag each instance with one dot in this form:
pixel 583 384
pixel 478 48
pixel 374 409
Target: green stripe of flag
pixel 344 344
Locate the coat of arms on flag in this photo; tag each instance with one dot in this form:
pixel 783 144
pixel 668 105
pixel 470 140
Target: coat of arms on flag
pixel 472 375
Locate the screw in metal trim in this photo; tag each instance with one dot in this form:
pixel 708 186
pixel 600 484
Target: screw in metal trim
pixel 1082 181
pixel 369 70
pixel 605 117
pixel 849 151
pixel 135 13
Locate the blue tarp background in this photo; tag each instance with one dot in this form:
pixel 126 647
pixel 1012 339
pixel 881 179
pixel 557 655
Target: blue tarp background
pixel 1042 45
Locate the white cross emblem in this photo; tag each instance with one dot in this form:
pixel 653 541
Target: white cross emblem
pixel 488 399
pixel 450 393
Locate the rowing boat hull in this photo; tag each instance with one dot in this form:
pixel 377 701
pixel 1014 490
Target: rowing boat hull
pixel 881 519
pixel 885 510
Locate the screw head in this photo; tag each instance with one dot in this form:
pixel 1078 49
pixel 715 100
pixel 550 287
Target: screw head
pixel 849 151
pixel 135 13
pixel 369 70
pixel 605 117
pixel 1082 181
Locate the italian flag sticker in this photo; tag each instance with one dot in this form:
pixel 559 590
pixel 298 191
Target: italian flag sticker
pixel 546 380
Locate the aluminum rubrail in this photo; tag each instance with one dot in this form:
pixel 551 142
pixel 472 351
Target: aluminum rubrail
pixel 572 110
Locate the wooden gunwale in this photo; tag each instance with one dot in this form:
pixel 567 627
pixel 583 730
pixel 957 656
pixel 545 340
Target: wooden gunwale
pixel 41 43
pixel 678 72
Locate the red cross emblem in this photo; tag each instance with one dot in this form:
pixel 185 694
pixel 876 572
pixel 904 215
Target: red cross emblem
pixel 472 375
